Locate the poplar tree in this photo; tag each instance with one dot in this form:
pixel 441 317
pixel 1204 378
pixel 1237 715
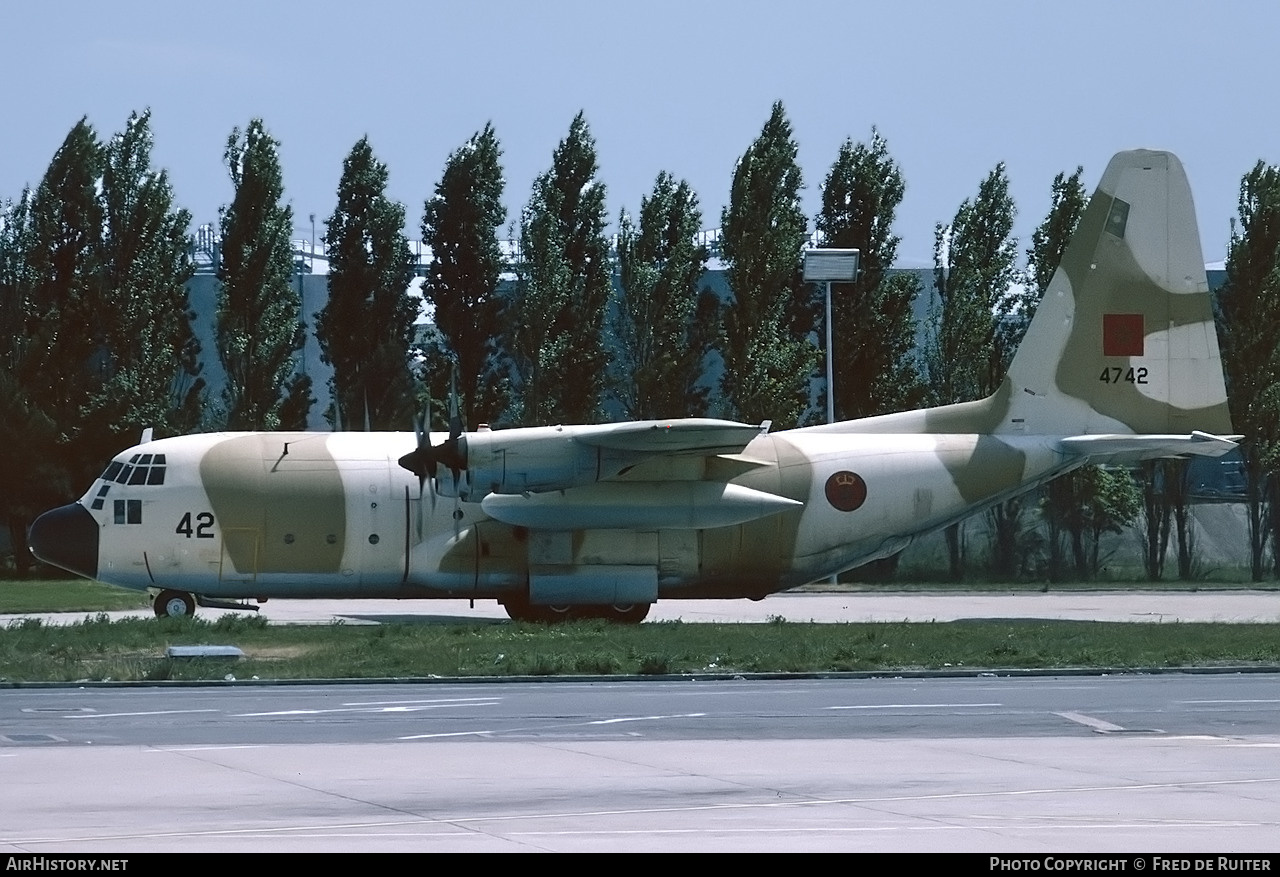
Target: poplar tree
pixel 366 326
pixel 258 328
pixel 1099 501
pixel 14 231
pixel 874 369
pixel 1248 310
pixel 768 357
pixel 60 294
pixel 975 264
pixel 29 483
pixel 1067 201
pixel 665 324
pixel 974 267
pixel 1048 242
pixel 95 334
pixel 1155 512
pixel 557 334
pixel 150 359
pixel 460 224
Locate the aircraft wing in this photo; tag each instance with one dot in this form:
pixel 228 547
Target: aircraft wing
pixel 685 436
pixel 1117 448
pixel 544 458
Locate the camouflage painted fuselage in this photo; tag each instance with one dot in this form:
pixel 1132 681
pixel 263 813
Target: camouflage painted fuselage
pixel 236 516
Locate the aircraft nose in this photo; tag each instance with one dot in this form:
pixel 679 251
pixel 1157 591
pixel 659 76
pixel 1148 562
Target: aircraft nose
pixel 67 537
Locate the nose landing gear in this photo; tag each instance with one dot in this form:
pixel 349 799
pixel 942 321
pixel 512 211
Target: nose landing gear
pixel 170 603
pixel 174 604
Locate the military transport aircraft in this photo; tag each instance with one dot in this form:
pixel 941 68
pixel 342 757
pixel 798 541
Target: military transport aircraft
pixel 1120 364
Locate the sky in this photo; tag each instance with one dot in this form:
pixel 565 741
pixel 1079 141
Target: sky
pixel 954 87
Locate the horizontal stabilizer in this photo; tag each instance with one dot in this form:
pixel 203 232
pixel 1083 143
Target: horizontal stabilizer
pixel 668 505
pixel 1119 448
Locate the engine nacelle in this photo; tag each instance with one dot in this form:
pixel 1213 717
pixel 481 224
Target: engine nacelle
pixel 537 459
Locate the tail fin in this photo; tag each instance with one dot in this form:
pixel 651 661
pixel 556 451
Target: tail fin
pixel 1124 340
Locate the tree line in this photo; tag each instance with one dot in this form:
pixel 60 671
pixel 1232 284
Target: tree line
pixel 96 340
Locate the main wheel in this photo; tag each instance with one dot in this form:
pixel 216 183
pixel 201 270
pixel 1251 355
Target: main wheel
pixel 174 604
pixel 556 614
pixel 620 613
pixel 633 613
pixel 519 609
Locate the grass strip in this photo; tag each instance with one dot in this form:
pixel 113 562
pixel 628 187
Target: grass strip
pixel 98 649
pixel 66 595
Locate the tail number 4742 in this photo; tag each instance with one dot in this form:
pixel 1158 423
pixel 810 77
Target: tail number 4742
pixel 1116 375
pixel 203 528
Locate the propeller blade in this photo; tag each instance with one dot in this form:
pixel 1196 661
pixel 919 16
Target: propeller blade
pixel 425 459
pixel 453 451
pixel 421 461
pixel 422 432
pixel 455 418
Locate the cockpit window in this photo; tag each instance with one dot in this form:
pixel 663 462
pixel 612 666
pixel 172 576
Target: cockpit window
pixel 141 469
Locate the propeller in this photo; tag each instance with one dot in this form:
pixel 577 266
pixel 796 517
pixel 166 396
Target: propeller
pixel 426 459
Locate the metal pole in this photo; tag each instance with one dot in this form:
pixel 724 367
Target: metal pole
pixel 825 265
pixel 831 388
pixel 831 391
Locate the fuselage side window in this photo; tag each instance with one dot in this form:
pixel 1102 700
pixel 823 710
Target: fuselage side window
pixel 127 511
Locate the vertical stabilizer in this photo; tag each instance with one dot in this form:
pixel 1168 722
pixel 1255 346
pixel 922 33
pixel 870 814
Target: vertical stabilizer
pixel 1124 340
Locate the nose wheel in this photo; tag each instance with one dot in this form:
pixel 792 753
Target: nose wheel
pixel 174 604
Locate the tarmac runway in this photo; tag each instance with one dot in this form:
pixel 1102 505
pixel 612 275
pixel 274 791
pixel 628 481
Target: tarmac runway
pixel 1228 606
pixel 1113 764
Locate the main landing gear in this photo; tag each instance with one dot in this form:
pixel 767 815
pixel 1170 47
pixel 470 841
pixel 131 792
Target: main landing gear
pixel 520 609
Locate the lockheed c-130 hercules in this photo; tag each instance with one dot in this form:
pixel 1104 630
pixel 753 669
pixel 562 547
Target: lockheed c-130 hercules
pixel 1119 364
